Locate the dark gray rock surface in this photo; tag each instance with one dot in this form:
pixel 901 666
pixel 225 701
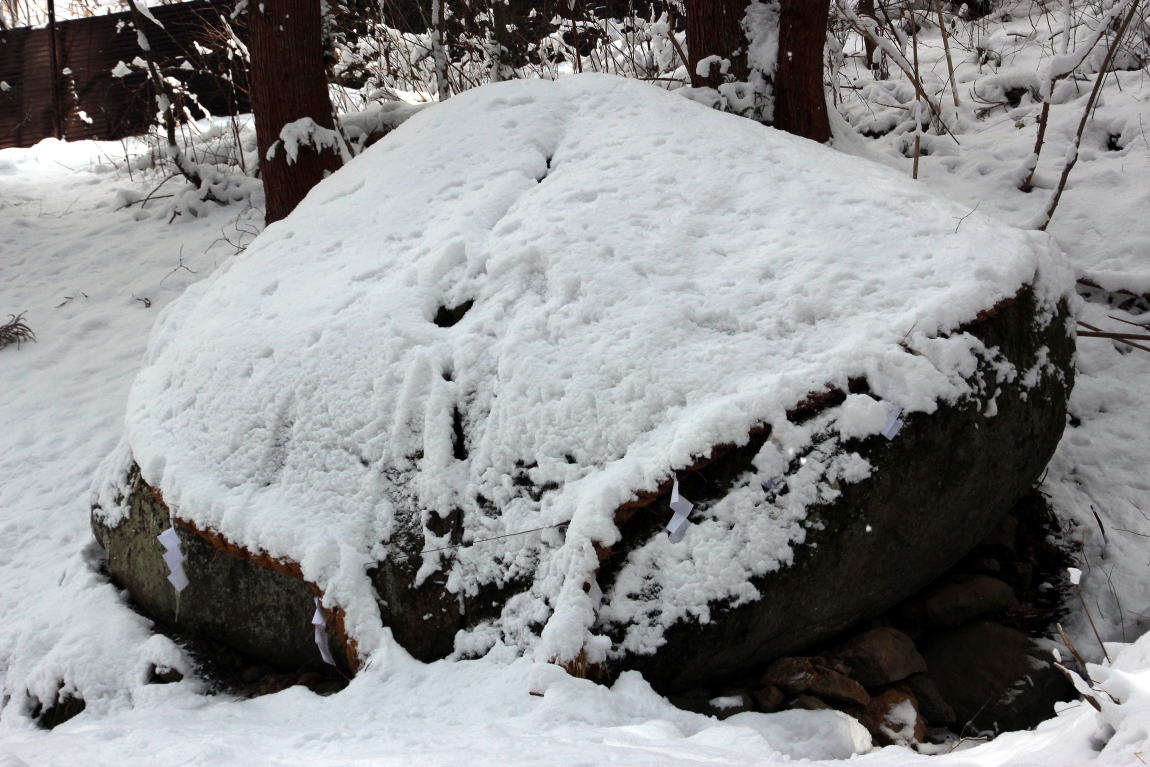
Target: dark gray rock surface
pixel 229 599
pixel 957 603
pixel 935 491
pixel 996 678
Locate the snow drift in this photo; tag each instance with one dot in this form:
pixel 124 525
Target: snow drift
pixel 540 302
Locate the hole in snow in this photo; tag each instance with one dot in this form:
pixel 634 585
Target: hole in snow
pixel 546 172
pixel 458 439
pixel 447 317
pixel 66 706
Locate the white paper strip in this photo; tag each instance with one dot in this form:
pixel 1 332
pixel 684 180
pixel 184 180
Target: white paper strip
pixel 680 520
pixel 178 578
pixel 173 558
pixel 893 421
pixel 320 623
pixel 169 538
pixel 678 530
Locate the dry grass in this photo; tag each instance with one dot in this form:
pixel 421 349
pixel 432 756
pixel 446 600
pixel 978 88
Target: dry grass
pixel 15 331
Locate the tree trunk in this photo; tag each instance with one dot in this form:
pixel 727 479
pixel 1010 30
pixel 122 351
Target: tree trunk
pixel 54 59
pixel 800 104
pixel 714 28
pixel 866 8
pixel 288 82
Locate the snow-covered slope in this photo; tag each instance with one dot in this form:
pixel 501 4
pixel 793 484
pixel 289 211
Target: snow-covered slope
pixel 647 278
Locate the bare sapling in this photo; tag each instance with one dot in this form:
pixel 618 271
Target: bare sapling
pixel 946 48
pixel 1131 7
pixel 869 30
pixel 1062 66
pixel 164 100
pixel 918 100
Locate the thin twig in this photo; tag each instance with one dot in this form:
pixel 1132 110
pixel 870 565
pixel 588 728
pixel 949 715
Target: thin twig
pixel 865 29
pixel 1073 651
pixel 1088 326
pixel 918 78
pixel 180 265
pixel 946 47
pixel 968 215
pixel 1070 677
pixel 1098 81
pixel 1115 336
pixel 1128 322
pixel 1090 618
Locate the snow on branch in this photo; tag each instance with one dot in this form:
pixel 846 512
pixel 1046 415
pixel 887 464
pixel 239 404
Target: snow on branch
pixel 305 132
pixel 868 28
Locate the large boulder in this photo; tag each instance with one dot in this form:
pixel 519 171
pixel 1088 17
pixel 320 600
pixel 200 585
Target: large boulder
pixel 451 395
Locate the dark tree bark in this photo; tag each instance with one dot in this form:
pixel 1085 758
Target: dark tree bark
pixel 714 29
pixel 54 59
pixel 866 8
pixel 288 82
pixel 800 104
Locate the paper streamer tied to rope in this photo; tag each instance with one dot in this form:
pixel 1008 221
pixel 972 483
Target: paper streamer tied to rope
pixel 680 520
pixel 893 421
pixel 173 558
pixel 320 623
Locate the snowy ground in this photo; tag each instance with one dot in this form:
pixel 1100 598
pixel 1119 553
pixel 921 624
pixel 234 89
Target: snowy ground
pixel 92 276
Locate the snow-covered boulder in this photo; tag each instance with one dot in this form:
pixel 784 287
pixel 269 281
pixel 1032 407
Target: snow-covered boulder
pixel 450 395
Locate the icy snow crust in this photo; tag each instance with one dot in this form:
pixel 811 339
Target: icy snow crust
pixel 650 279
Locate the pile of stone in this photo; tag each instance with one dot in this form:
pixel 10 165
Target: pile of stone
pixel 951 661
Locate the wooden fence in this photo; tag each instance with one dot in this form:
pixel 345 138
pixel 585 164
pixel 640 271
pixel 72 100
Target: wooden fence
pixel 86 100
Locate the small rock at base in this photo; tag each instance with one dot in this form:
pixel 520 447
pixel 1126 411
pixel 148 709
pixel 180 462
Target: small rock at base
pixel 931 704
pixel 769 699
pixel 815 676
pixel 809 703
pixel 959 603
pixel 881 656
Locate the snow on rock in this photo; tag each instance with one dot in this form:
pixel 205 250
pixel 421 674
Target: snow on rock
pixel 531 303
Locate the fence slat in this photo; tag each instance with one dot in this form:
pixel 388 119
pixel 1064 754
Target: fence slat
pixel 96 105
